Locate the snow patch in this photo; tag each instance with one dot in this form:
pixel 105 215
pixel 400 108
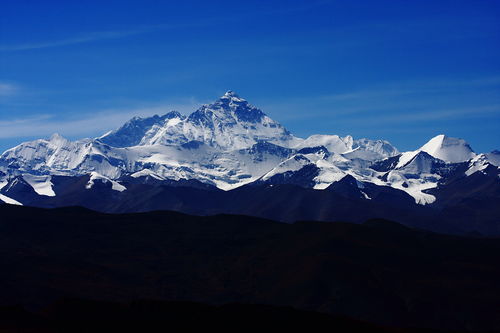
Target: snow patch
pixel 114 185
pixel 10 201
pixel 414 186
pixel 478 163
pixel 333 143
pixel 328 174
pixel 365 195
pixel 144 173
pixel 173 122
pixel 294 163
pixel 41 184
pixel 405 158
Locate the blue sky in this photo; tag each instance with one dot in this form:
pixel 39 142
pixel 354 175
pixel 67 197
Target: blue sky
pixel 398 70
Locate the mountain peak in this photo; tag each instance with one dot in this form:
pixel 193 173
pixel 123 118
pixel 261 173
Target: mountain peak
pixel 230 93
pixel 231 96
pixel 57 138
pixel 173 114
pixel 448 149
pixel 229 109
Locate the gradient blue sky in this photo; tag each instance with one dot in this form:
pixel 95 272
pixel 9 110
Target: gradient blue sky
pixel 398 70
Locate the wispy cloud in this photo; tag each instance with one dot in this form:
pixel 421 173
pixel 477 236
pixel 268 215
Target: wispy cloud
pixel 199 23
pixel 394 98
pixel 437 114
pixel 8 89
pixel 89 124
pixel 101 35
pixel 69 41
pixel 411 88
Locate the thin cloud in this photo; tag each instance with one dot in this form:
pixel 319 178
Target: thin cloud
pixel 411 88
pixel 95 36
pixel 100 35
pixel 8 89
pixel 407 120
pixel 4 124
pixel 105 35
pixel 94 124
pixel 440 114
pixel 387 98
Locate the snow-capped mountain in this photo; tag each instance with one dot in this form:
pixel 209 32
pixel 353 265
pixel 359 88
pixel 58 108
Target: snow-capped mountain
pixel 229 144
pixel 228 123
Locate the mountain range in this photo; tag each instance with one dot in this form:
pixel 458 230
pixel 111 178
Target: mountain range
pixel 230 157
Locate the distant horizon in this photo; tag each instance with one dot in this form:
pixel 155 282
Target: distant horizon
pixel 397 71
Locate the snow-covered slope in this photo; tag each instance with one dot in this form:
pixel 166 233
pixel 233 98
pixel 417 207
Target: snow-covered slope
pixel 7 200
pixel 415 175
pixel 452 150
pixel 333 143
pixel 371 150
pixel 480 163
pixel 41 184
pixel 137 129
pixel 228 123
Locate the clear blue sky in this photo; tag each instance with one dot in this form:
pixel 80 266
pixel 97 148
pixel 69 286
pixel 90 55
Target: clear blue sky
pixel 398 70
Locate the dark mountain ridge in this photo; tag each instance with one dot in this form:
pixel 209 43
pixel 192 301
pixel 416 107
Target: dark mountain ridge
pixel 285 199
pixel 378 271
